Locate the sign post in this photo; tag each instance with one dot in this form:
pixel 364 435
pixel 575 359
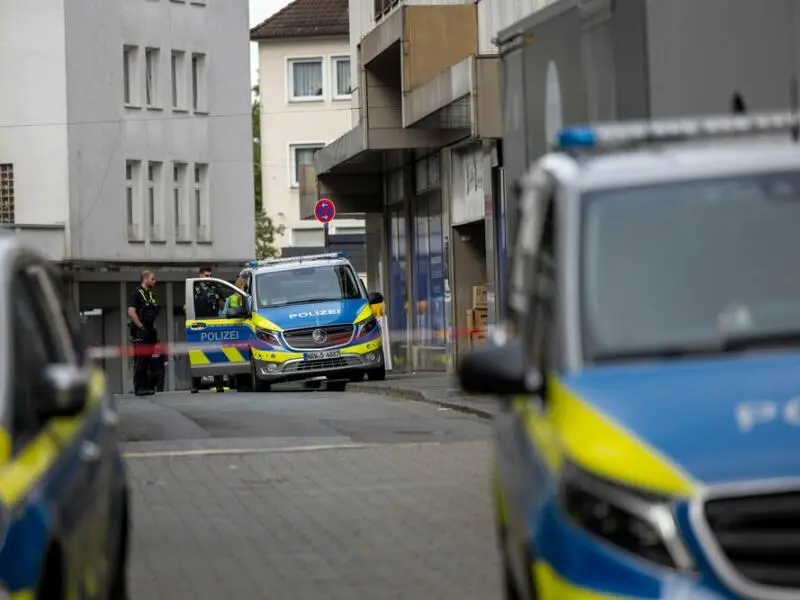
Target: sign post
pixel 324 212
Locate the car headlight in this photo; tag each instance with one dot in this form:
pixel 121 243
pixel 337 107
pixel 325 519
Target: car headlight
pixel 636 521
pixel 366 326
pixel 268 336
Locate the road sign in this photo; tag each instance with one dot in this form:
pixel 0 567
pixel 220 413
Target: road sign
pixel 324 210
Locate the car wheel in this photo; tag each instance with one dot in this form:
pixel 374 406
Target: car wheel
pixel 243 383
pixel 51 584
pixel 357 376
pixel 259 385
pixel 196 383
pixel 336 386
pixel 378 374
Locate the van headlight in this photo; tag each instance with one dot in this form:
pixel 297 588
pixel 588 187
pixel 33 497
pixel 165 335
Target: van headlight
pixel 366 326
pixel 268 336
pixel 636 521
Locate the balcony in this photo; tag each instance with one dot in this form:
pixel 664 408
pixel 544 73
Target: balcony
pixel 384 7
pixel 421 87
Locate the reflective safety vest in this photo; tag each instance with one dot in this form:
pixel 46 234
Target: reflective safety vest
pixel 150 310
pixel 236 301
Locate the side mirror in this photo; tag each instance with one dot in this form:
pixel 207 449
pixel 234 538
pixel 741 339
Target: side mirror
pixel 250 306
pixel 375 298
pixel 498 370
pixel 64 391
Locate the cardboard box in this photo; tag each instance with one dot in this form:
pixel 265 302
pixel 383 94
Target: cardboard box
pixel 477 318
pixel 476 338
pixel 478 296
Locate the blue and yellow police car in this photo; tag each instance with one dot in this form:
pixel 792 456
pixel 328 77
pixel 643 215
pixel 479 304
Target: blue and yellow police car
pixel 293 319
pixel 63 490
pixel 650 373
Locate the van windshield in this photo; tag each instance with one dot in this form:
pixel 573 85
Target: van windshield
pixel 304 285
pixel 704 266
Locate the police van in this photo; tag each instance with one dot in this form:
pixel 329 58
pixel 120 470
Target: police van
pixel 647 442
pixel 293 319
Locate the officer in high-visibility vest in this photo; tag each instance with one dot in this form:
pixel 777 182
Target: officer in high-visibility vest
pixel 235 302
pixel 143 311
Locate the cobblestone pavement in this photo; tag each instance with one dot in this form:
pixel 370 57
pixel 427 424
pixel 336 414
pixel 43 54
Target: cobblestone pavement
pixel 384 521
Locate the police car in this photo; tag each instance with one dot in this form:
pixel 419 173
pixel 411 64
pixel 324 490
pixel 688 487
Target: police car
pixel 295 319
pixel 648 445
pixel 63 490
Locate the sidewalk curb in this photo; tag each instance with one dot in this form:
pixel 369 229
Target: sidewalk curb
pixel 418 396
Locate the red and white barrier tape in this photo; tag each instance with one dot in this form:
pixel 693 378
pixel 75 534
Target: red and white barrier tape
pixel 414 337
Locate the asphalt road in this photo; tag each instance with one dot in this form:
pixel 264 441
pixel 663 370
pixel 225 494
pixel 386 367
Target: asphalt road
pixel 307 495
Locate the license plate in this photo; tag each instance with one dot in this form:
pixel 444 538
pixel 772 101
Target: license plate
pixel 323 355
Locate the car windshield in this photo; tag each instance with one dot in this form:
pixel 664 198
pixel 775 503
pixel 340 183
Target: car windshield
pixel 304 285
pixel 701 266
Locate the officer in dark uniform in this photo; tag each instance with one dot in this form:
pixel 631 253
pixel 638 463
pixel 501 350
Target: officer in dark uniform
pixel 207 304
pixel 142 311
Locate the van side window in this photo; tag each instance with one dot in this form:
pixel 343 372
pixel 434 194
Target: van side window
pixel 541 332
pixel 32 354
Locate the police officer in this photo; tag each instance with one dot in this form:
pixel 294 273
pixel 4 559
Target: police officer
pixel 207 304
pixel 142 311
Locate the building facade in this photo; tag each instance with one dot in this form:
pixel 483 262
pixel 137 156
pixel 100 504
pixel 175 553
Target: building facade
pixel 125 143
pixel 423 160
pixel 306 95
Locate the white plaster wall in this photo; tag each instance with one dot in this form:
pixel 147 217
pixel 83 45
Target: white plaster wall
pixel 284 123
pixel 33 110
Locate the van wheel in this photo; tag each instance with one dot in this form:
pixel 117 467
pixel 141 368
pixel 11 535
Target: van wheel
pixel 196 382
pixel 243 383
pixel 336 386
pixel 258 385
pixel 378 374
pixel 51 585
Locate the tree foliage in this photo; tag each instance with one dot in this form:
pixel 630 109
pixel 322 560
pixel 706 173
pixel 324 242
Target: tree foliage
pixel 266 230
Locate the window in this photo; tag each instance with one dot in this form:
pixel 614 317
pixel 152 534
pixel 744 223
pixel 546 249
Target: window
pixel 349 230
pixel 151 81
pixel 202 210
pixel 129 80
pixel 305 79
pixel 179 171
pixel 7 193
pixel 36 334
pixel 540 333
pixel 341 77
pixel 155 201
pixel 210 298
pixel 178 74
pixel 308 238
pixel 301 154
pixel 133 199
pixel 306 285
pixel 696 266
pixel 199 82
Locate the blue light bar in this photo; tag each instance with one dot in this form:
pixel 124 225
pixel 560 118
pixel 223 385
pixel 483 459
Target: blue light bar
pixel 624 134
pixel 292 259
pixel 581 136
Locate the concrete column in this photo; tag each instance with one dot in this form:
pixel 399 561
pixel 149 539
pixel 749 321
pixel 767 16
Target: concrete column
pixel 410 320
pixel 446 178
pixel 75 291
pixel 170 335
pixel 491 222
pixel 123 333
